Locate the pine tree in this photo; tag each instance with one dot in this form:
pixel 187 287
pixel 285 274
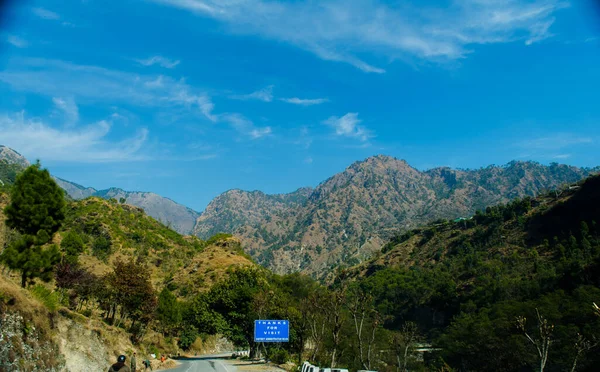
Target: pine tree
pixel 585 230
pixel 36 211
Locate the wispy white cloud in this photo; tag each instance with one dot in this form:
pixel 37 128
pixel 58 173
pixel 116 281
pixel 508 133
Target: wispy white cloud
pixel 207 107
pixel 245 125
pixel 69 108
pixel 51 16
pixel 556 141
pixel 304 102
pixel 348 126
pixel 156 83
pixel 199 146
pixel 304 139
pixel 46 14
pixel 92 84
pixel 158 60
pixel 561 156
pixel 308 160
pixel 260 132
pixel 17 41
pixel 265 95
pixel 37 139
pixel 339 30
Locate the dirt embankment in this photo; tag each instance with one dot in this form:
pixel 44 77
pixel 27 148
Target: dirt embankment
pixel 89 345
pixel 32 338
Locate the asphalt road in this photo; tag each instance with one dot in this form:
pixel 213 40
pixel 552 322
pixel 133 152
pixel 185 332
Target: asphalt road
pixel 212 363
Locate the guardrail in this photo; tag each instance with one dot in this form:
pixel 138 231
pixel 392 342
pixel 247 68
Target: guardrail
pixel 307 367
pixel 241 353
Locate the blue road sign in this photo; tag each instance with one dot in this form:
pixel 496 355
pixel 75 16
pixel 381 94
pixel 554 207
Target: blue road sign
pixel 271 331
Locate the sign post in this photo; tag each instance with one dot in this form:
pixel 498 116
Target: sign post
pixel 271 331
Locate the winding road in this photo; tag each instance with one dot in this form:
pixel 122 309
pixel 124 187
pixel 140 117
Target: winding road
pixel 207 363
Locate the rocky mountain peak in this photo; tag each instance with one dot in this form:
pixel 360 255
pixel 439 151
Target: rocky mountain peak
pixel 13 157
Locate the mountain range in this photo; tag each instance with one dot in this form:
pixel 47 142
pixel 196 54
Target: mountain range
pixel 346 218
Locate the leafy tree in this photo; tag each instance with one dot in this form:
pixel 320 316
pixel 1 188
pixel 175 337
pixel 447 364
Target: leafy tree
pixel 198 313
pixel 188 337
pixel 72 246
pixel 36 211
pixel 233 298
pixel 68 274
pixel 102 247
pixel 168 312
pixel 79 283
pixel 88 287
pixel 133 292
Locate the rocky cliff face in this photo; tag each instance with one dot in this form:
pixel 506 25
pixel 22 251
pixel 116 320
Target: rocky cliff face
pixel 349 216
pixel 235 209
pixel 13 157
pixel 74 190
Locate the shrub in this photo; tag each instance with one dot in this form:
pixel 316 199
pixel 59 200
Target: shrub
pixel 219 236
pixel 101 247
pixel 279 356
pixel 46 297
pixel 188 337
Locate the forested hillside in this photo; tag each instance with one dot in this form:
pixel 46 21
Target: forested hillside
pixel 464 284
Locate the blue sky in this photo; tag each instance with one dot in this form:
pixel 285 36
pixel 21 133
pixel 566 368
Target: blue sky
pixel 190 98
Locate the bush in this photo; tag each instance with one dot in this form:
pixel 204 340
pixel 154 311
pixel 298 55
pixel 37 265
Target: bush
pixel 152 349
pixel 279 356
pixel 188 337
pixel 47 297
pixel 72 246
pixel 217 237
pixel 101 248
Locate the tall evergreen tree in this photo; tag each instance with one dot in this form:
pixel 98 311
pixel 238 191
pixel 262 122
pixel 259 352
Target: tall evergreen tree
pixel 36 211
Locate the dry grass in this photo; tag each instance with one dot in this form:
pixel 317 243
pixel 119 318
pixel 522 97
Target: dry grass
pixel 208 267
pixel 15 298
pixel 3 204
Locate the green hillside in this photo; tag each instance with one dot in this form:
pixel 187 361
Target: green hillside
pixel 464 283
